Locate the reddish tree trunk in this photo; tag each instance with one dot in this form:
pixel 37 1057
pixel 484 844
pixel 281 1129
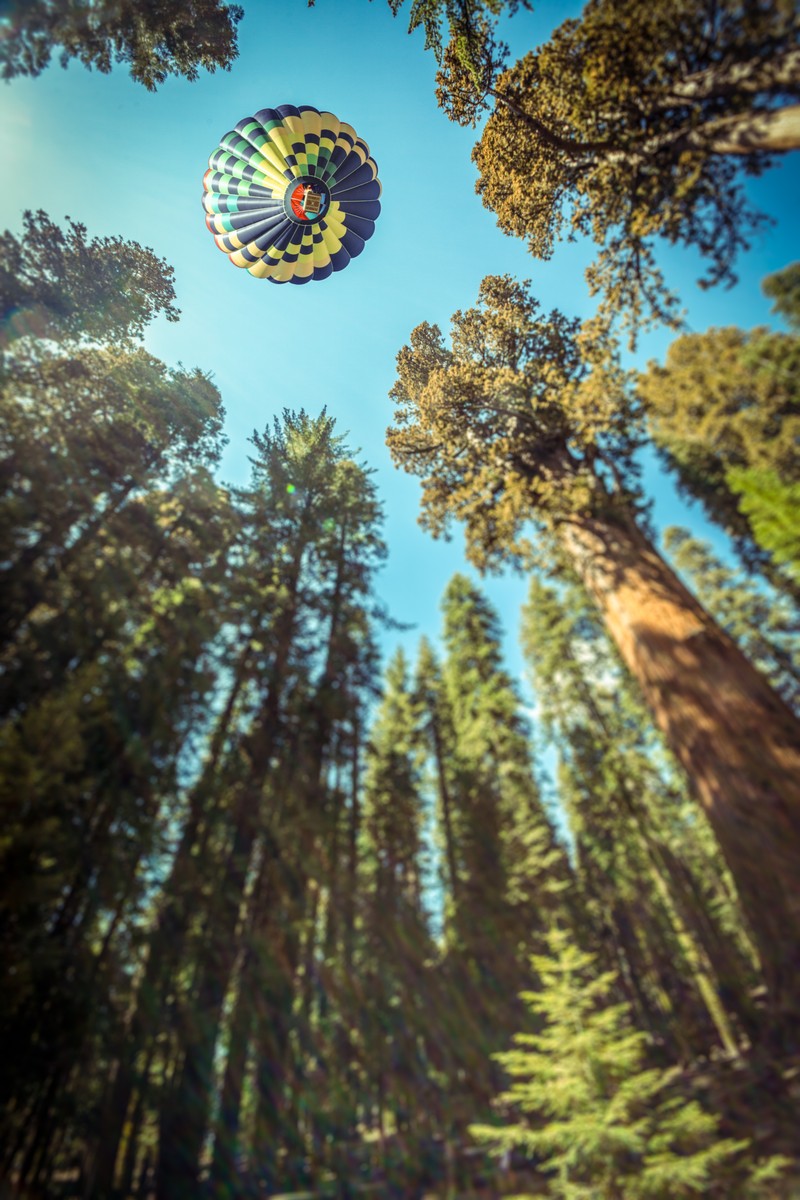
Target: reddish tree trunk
pixel 737 741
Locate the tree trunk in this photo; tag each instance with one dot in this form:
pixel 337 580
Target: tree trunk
pixel 728 966
pixel 134 1127
pixel 226 1141
pixel 185 1117
pixel 353 831
pixel 447 814
pixel 330 941
pixel 274 1000
pixel 165 944
pixel 735 738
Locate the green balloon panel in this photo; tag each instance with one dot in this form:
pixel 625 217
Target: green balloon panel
pixel 291 194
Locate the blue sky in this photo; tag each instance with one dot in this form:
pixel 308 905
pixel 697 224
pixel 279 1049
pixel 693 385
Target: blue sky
pixel 102 150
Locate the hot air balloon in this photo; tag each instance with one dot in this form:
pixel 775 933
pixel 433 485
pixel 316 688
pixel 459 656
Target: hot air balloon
pixel 291 194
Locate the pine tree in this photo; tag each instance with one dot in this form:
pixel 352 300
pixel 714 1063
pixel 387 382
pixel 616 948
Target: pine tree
pixel 57 286
pixel 302 475
pixel 601 1121
pixel 512 870
pixel 111 528
pixel 769 505
pixel 397 949
pixel 503 872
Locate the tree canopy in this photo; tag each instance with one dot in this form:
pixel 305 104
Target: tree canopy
pixel 527 416
pixel 604 1122
pixel 57 285
pixel 724 412
pixel 635 123
pixel 783 288
pixel 155 40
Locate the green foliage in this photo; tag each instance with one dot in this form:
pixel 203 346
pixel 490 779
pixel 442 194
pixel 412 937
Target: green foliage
pixel 215 900
pixel 601 1121
pixel 770 505
pixel 783 287
pixel 400 1015
pixel 511 869
pixel 466 24
pixel 392 800
pixel 724 412
pixel 525 416
pixel 55 285
pixel 155 39
pixel 637 123
pixel 110 527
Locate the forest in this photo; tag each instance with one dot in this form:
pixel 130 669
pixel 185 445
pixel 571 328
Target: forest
pixel 284 913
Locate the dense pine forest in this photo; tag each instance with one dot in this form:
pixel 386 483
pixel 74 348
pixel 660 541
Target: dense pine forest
pixel 286 912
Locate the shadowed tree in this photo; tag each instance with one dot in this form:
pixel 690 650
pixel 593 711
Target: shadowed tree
pixel 323 507
pixel 529 418
pixel 503 872
pixel 646 857
pixel 396 939
pixel 155 38
pixel 56 285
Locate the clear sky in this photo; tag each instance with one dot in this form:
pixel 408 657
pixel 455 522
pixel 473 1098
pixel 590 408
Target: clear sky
pixel 102 150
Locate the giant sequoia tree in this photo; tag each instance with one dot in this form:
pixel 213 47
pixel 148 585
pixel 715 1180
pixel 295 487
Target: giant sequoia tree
pixel 524 417
pixel 652 883
pixel 767 627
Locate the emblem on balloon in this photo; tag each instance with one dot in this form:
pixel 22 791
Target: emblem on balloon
pixel 291 194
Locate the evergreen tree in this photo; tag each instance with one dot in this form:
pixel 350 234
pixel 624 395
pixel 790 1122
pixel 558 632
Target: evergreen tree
pixel 397 948
pixel 503 871
pixel 602 1121
pixel 89 424
pixel 302 474
pixel 769 505
pixel 783 287
pixel 110 546
pixel 154 39
pixel 724 413
pixel 525 418
pixel 511 868
pixel 56 286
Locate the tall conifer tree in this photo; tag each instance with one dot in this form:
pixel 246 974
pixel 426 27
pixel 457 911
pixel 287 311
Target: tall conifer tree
pixel 526 418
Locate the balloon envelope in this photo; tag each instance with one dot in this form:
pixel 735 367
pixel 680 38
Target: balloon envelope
pixel 291 194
